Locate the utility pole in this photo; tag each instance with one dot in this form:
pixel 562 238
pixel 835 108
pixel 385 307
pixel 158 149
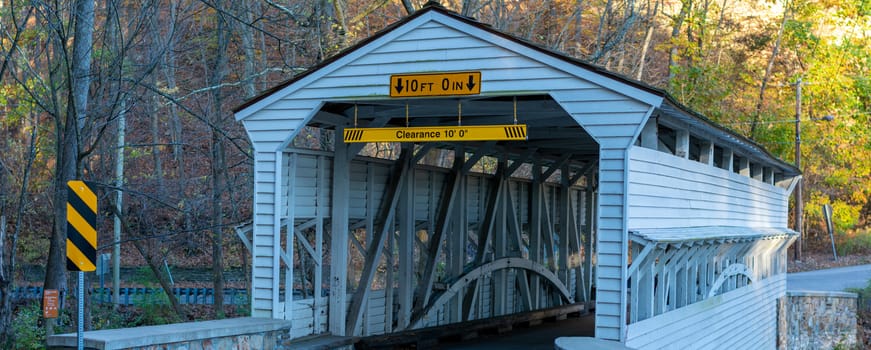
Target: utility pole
pixel 799 204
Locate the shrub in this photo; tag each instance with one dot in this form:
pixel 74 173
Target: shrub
pixel 854 242
pixel 27 327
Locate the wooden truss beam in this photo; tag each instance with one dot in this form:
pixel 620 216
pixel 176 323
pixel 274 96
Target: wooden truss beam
pixel 451 191
pixel 373 254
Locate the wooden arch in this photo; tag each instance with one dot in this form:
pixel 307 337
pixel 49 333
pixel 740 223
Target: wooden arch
pixel 488 268
pixel 731 270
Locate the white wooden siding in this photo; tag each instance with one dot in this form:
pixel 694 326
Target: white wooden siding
pixel 270 128
pixel 744 318
pixel 263 266
pixel 669 191
pixel 303 317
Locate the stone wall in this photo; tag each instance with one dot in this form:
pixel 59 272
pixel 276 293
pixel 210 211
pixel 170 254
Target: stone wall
pixel 817 320
pixel 236 333
pixel 264 341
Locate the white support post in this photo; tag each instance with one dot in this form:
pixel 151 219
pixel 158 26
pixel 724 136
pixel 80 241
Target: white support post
pixel 728 159
pixel 706 153
pixel 646 290
pixel 564 232
pixel 339 239
pixel 406 253
pixel 319 240
pixel 589 228
pixel 457 236
pixel 659 295
pixel 277 312
pixel 633 273
pixel 744 166
pixel 649 136
pixel 682 143
pixel 535 223
pixel 388 288
pixel 575 244
pixel 701 262
pixel 768 175
pixel 547 215
pixel 289 233
pixel 500 246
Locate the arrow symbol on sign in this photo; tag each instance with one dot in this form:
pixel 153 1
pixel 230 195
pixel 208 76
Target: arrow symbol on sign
pixel 398 85
pixel 471 84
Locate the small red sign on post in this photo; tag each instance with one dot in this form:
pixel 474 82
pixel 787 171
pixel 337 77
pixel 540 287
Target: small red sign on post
pixel 49 303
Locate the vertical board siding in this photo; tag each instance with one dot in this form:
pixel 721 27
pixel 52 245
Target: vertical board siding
pixel 669 191
pixel 744 318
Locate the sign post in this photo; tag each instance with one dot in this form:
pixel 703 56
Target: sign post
pixel 81 240
pixel 827 213
pixel 49 303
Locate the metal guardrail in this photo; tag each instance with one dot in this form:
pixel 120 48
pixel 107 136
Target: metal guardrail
pixel 144 296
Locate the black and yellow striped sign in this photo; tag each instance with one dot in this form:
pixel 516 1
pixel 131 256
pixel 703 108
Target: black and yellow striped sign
pixel 437 133
pixel 81 227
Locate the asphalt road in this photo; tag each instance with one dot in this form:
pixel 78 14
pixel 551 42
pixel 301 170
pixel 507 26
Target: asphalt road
pixel 832 280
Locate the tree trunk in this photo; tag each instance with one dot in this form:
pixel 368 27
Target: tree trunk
pixel 651 23
pixel 152 265
pixel 169 73
pixel 675 32
pixel 409 8
pixel 760 103
pixel 7 273
pixel 154 56
pixel 219 167
pixel 248 47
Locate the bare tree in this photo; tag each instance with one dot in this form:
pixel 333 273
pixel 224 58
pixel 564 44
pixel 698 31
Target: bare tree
pixel 677 23
pixel 219 162
pixel 760 103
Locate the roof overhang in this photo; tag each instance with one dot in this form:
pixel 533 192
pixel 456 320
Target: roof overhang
pixel 708 235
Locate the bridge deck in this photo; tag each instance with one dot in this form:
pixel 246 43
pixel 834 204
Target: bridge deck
pixel 535 327
pixel 538 337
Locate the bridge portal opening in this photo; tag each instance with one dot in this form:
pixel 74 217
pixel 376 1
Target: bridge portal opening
pixel 393 236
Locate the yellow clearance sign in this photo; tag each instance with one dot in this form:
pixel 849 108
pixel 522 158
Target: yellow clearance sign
pixel 435 84
pixel 81 227
pixel 437 133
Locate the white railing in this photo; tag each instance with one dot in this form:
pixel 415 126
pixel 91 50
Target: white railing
pixel 674 268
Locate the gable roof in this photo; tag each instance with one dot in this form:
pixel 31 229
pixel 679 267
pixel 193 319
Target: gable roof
pixel 670 106
pixel 433 6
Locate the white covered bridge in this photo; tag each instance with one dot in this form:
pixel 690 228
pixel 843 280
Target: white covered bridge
pixel 602 192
